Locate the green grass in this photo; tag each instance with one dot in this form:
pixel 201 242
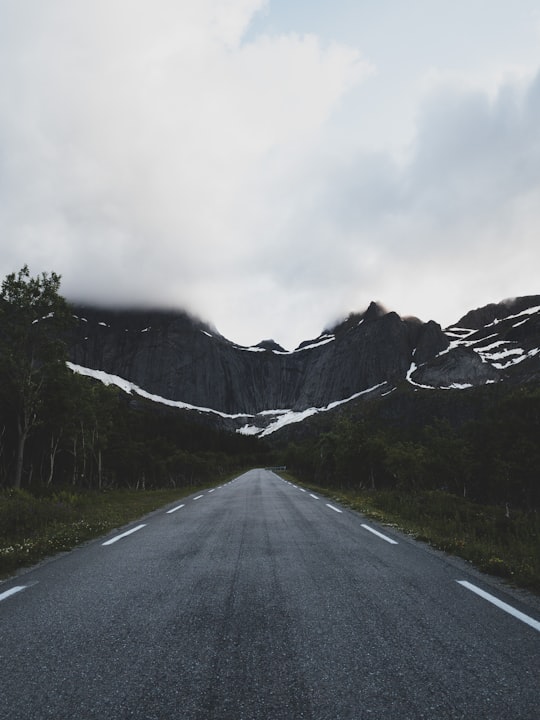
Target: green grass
pixel 508 547
pixel 34 527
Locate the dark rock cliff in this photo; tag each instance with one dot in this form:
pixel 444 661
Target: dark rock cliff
pixel 177 357
pixel 174 356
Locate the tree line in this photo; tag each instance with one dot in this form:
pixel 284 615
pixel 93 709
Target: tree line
pixel 58 428
pixel 493 459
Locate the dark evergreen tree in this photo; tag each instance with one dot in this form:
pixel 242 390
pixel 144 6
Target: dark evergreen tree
pixel 33 318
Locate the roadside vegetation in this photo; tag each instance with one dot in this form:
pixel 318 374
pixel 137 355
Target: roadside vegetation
pixel 507 546
pixel 34 526
pixel 493 459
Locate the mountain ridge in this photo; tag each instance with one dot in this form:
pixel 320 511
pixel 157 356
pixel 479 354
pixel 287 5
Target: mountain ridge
pixel 175 357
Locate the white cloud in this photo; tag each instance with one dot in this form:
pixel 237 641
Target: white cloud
pixel 451 229
pixel 138 138
pixel 155 152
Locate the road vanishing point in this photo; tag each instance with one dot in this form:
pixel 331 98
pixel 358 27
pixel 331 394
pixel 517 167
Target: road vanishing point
pixel 259 600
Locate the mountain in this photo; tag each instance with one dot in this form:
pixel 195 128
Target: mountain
pixel 173 358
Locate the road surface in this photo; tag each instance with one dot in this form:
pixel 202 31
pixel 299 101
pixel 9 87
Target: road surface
pixel 262 601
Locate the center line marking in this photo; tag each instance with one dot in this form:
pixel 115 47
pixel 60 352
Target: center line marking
pixel 334 508
pixel 175 509
pixel 123 535
pixel 379 534
pixel 500 604
pixel 13 591
pixel 198 497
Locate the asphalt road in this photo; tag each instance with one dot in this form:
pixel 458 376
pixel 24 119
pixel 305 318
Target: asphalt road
pixel 260 601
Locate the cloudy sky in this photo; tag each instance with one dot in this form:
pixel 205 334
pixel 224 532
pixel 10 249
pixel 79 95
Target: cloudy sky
pixel 272 165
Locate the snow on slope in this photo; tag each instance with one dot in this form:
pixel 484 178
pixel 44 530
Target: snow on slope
pixel 287 417
pixel 129 387
pixel 493 348
pixel 282 417
pixel 501 353
pixel 322 340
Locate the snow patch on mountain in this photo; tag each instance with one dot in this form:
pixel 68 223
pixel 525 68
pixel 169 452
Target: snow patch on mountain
pixel 496 344
pixel 322 340
pixel 278 418
pixel 129 387
pixel 287 417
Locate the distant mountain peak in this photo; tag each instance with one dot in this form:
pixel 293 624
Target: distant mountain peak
pixel 270 345
pixel 179 359
pixel 373 312
pixel 482 316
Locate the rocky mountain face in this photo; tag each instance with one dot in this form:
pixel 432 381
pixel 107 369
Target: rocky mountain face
pixel 176 359
pixel 499 342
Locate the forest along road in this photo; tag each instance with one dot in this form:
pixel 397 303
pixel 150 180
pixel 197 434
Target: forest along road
pixel 262 601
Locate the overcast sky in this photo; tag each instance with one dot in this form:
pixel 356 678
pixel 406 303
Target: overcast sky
pixel 271 166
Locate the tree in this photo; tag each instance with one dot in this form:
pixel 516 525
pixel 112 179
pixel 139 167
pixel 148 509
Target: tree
pixel 407 462
pixel 33 317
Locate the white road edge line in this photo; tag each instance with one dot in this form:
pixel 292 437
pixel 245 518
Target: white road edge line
pixel 123 535
pixel 313 496
pixel 13 591
pixel 198 497
pixel 175 509
pixel 500 604
pixel 334 508
pixel 213 489
pixel 379 534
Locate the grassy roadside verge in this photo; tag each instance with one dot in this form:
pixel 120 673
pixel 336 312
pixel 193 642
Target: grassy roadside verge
pixel 508 547
pixel 32 528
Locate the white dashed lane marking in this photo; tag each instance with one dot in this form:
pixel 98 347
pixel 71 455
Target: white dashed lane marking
pixel 13 591
pixel 379 534
pixel 178 507
pixel 335 509
pixel 500 604
pixel 123 535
